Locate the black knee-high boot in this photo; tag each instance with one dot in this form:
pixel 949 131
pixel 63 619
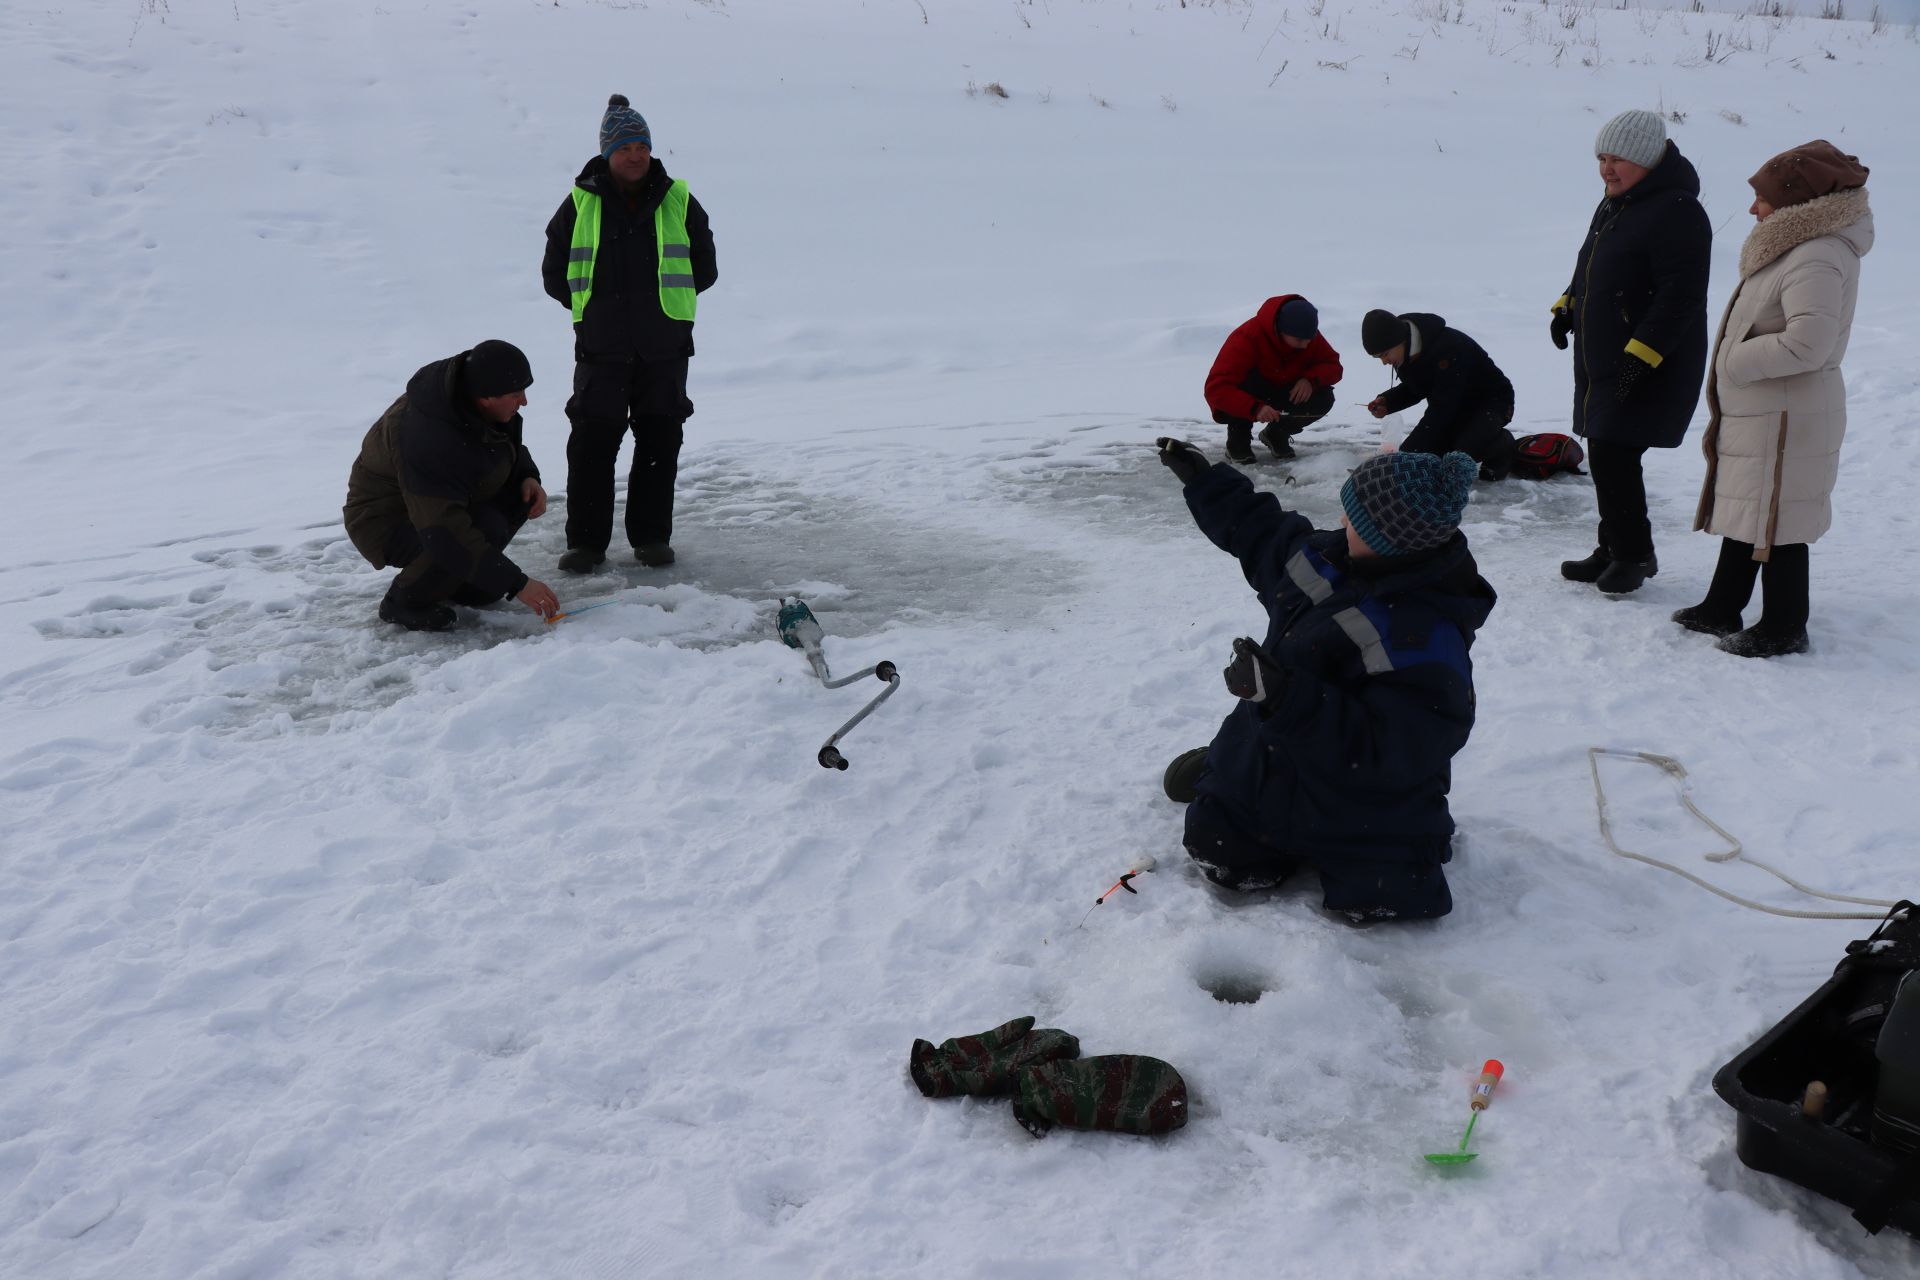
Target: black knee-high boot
pixel 1782 628
pixel 1727 595
pixel 1784 606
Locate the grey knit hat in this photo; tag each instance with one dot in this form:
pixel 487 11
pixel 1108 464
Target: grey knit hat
pixel 621 125
pixel 1639 136
pixel 1405 502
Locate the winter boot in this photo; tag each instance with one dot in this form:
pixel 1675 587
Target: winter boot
pixel 1588 569
pixel 1706 620
pixel 654 555
pixel 1762 641
pixel 1622 576
pixel 1240 443
pixel 1183 774
pixel 1278 439
pixel 581 560
pixel 431 617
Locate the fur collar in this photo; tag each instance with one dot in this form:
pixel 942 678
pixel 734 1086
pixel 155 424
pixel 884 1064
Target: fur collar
pixel 1793 226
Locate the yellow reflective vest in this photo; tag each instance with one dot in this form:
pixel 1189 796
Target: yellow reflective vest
pixel 677 296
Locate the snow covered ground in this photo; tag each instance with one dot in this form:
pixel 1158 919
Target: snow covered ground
pixel 327 950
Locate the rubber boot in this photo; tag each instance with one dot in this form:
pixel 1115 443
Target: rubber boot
pixel 1622 576
pixel 1587 569
pixel 1183 774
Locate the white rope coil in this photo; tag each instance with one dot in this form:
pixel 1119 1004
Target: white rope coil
pixel 1678 773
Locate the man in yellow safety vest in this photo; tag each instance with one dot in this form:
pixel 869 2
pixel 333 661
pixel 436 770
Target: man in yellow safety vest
pixel 627 253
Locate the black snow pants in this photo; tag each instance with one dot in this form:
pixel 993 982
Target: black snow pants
pixel 1414 889
pixel 649 397
pixel 1480 433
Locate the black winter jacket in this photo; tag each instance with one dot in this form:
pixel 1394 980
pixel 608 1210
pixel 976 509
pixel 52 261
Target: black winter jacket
pixel 1350 757
pixel 1457 379
pixel 428 462
pixel 1640 284
pixel 623 317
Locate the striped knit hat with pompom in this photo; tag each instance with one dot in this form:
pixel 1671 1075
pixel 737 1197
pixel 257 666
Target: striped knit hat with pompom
pixel 1400 503
pixel 621 125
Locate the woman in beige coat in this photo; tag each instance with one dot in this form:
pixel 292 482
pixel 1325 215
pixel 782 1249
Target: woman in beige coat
pixel 1777 404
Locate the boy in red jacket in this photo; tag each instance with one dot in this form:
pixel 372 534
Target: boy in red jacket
pixel 1275 370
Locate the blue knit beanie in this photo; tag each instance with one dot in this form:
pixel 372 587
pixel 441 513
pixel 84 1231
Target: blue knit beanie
pixel 621 125
pixel 1297 318
pixel 1400 503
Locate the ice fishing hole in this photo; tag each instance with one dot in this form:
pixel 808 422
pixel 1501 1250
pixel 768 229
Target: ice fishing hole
pixel 1232 988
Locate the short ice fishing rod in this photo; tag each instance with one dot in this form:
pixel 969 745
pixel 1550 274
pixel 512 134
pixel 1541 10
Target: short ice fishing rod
pixel 801 630
pixel 1482 1095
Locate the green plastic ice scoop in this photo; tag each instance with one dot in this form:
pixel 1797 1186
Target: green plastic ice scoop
pixel 1482 1095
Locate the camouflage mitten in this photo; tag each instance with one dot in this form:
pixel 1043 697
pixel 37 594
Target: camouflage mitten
pixel 984 1065
pixel 1123 1092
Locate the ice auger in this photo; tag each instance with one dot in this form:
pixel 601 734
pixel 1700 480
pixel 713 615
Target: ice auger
pixel 801 630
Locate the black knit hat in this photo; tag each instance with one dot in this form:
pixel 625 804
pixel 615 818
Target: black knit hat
pixel 1382 331
pixel 495 368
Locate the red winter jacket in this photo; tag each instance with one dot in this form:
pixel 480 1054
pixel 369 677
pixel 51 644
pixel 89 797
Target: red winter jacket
pixel 1255 347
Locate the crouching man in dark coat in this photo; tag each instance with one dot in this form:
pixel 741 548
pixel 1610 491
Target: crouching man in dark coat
pixel 443 483
pixel 1339 755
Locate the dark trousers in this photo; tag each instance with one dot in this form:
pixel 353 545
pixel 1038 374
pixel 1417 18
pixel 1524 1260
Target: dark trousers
pixel 648 397
pixel 423 580
pixel 1620 491
pixel 1294 418
pixel 1784 603
pixel 1411 890
pixel 1479 432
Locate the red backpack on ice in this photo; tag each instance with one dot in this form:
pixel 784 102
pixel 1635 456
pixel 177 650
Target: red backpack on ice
pixel 1547 454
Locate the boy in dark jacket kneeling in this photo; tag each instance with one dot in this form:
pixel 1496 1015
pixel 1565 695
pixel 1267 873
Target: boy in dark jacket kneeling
pixel 1339 755
pixel 1469 401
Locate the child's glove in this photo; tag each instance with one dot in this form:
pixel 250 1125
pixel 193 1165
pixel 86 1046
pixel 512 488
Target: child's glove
pixel 984 1065
pixel 1182 459
pixel 1123 1092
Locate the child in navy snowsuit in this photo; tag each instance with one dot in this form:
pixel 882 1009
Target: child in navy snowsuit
pixel 1363 683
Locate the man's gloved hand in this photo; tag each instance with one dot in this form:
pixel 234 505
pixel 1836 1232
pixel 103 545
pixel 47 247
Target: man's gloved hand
pixel 1182 459
pixel 1627 378
pixel 1562 326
